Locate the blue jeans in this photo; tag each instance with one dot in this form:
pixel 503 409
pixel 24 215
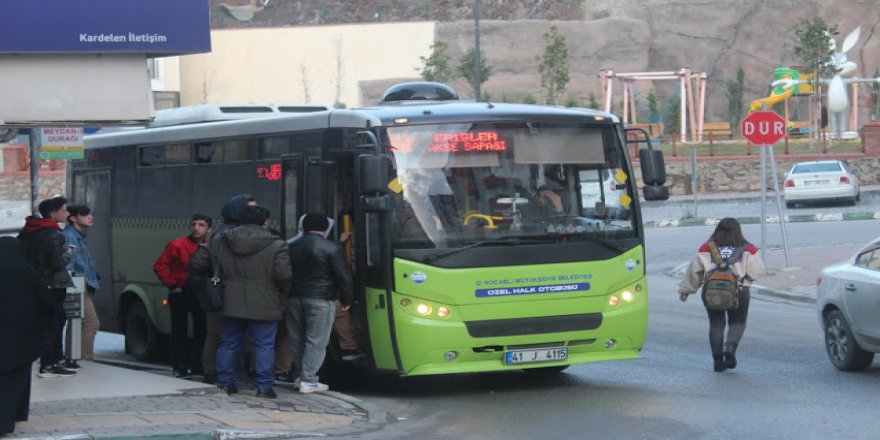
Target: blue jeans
pixel 262 338
pixel 309 322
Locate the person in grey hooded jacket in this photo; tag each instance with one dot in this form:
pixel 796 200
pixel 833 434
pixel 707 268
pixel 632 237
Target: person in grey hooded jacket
pixel 255 273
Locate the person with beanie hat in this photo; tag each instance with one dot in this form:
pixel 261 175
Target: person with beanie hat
pixel 233 215
pixel 255 273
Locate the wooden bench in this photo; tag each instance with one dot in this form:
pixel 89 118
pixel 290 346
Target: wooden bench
pixel 653 130
pixel 717 130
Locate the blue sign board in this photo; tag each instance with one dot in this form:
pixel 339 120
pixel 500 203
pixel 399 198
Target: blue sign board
pixel 154 27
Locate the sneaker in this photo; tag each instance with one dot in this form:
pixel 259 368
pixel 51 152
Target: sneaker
pixel 229 389
pixel 55 371
pixel 284 377
pixel 267 394
pixel 181 373
pixel 352 355
pixel 312 387
pixel 71 364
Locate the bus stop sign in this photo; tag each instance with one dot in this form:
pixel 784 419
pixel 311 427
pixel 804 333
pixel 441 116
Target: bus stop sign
pixel 763 128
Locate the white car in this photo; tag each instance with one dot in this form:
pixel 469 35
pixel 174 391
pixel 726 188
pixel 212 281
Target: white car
pixel 599 187
pixel 821 180
pixel 848 302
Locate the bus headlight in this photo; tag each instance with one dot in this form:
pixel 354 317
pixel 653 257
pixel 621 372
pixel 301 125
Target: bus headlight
pixel 443 312
pixel 423 309
pixel 613 300
pixel 627 296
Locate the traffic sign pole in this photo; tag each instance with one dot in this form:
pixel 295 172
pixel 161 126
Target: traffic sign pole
pixel 779 205
pixel 765 128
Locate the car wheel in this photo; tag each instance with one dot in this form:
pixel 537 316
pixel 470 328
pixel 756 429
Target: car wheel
pixel 141 337
pixel 841 347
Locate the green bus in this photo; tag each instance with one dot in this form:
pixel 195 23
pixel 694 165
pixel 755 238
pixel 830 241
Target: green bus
pixel 486 236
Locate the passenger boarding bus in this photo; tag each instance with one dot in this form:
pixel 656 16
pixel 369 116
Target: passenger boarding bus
pixel 486 236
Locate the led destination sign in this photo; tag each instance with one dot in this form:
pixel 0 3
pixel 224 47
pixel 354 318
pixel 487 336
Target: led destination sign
pixel 468 141
pixel 484 141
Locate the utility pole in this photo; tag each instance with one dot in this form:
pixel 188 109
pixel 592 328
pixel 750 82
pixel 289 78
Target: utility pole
pixel 35 141
pixel 477 79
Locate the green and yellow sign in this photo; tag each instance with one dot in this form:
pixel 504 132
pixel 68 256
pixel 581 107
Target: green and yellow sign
pixel 61 143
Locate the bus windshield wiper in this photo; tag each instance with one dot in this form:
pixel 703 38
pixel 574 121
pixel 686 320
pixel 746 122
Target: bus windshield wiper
pixel 428 259
pixel 610 245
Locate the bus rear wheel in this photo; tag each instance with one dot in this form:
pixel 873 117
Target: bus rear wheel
pixel 141 337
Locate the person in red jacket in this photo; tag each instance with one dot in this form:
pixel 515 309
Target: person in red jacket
pixel 171 268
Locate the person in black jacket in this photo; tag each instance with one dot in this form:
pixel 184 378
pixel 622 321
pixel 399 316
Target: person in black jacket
pixel 27 308
pixel 320 277
pixel 44 247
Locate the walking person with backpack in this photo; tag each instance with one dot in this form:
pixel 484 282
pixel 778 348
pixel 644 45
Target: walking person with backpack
pixel 725 267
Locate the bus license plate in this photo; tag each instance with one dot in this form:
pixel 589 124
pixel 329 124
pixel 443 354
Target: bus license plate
pixel 536 355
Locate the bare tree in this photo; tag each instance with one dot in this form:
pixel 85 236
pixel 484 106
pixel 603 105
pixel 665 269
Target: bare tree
pixel 304 79
pixel 339 75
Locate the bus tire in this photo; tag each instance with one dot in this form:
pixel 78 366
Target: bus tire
pixel 141 337
pixel 546 371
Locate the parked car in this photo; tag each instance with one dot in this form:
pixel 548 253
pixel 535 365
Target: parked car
pixel 848 301
pixel 821 180
pixel 599 186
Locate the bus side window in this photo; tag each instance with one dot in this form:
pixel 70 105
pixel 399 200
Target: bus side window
pixel 152 156
pixel 204 152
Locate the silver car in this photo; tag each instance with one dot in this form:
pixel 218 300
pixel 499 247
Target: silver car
pixel 848 300
pixel 821 180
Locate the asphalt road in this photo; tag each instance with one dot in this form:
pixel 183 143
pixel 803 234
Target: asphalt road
pixel 785 387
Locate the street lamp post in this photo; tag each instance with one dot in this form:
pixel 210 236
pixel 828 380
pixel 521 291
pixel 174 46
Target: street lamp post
pixel 477 80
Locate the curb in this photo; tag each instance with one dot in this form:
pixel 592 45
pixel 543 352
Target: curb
pixel 758 289
pixel 708 221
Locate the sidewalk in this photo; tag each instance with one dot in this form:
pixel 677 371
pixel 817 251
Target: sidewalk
pixel 105 402
pixel 798 282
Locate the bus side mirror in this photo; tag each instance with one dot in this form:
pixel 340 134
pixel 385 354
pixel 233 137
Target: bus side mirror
pixel 653 174
pixel 374 173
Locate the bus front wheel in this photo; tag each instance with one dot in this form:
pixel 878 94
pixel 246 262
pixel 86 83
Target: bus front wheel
pixel 141 337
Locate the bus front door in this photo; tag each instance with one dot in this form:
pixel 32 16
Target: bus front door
pixel 92 188
pixel 292 190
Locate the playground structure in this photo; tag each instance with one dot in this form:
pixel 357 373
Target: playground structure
pixel 692 93
pixel 838 101
pixel 779 94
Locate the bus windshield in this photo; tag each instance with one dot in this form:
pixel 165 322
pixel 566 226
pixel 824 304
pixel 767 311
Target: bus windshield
pixel 500 182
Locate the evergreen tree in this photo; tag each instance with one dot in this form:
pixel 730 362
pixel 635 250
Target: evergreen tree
pixel 466 68
pixel 814 49
pixel 653 107
pixel 594 102
pixel 672 115
pixel 814 45
pixel 436 67
pixel 554 65
pixel 735 89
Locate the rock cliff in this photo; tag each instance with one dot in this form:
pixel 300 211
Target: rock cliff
pixel 713 36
